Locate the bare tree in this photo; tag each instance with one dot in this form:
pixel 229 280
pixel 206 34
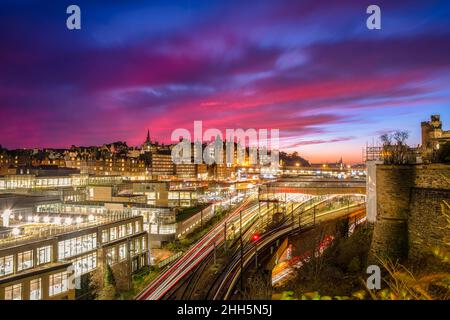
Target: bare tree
pixel 395 149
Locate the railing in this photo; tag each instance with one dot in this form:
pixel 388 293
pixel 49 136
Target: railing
pixel 48 232
pixel 317 184
pixel 170 259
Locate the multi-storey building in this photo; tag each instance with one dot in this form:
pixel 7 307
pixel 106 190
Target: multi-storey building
pixel 113 193
pixel 162 166
pixel 124 166
pixel 42 182
pixel 38 261
pixel 165 194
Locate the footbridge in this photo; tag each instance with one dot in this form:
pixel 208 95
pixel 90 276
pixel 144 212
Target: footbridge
pixel 279 190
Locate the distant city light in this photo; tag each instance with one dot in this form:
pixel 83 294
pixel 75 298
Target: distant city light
pixel 15 232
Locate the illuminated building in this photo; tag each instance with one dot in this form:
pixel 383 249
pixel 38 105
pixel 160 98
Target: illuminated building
pixel 58 247
pixel 162 166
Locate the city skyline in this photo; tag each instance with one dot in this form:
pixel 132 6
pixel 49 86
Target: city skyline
pixel 312 70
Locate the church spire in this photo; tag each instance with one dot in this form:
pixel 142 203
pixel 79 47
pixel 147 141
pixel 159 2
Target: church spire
pixel 148 136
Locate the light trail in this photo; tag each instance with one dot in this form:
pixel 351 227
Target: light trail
pixel 170 277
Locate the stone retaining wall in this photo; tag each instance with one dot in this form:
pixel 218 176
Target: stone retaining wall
pixel 409 218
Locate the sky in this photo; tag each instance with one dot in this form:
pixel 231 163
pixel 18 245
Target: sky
pixel 311 69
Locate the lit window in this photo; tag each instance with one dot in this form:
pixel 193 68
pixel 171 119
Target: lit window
pixel 24 260
pixel 132 248
pixel 13 292
pixel 105 236
pixel 85 264
pixel 35 289
pixel 136 246
pixel 58 283
pixel 122 230
pixel 144 244
pixel 6 265
pixel 113 233
pixel 122 252
pixel 111 256
pixel 137 226
pixel 76 246
pixel 44 255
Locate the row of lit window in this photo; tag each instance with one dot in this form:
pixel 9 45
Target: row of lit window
pixel 118 254
pixel 85 264
pixel 121 231
pixel 76 246
pixel 25 260
pixel 58 283
pixel 163 229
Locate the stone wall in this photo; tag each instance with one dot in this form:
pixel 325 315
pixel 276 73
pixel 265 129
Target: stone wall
pixel 409 218
pixel 426 223
pixel 433 176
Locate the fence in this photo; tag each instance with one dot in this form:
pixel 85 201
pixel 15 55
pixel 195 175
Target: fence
pixel 170 259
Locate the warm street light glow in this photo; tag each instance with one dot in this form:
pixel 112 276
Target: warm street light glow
pixel 6 215
pixel 15 232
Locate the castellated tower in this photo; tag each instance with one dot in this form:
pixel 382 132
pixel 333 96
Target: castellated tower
pixel 431 131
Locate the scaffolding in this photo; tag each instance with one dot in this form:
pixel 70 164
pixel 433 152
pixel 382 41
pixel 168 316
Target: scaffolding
pixel 372 153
